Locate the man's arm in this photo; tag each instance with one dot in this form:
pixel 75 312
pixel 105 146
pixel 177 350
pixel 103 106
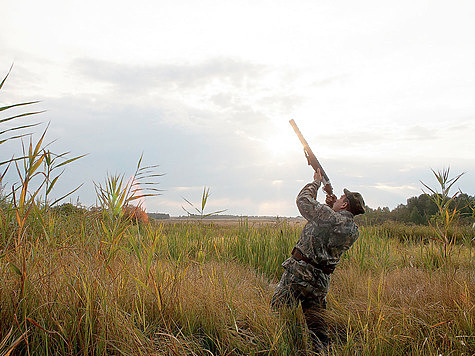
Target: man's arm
pixel 307 204
pixel 306 200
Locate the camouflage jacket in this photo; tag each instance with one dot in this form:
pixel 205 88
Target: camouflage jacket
pixel 327 233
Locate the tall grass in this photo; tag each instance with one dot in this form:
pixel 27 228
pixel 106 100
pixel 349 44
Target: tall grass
pixel 138 303
pixel 189 288
pixel 446 217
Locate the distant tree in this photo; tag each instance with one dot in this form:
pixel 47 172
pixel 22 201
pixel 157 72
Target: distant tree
pixel 401 213
pixel 464 204
pixel 419 210
pixel 416 217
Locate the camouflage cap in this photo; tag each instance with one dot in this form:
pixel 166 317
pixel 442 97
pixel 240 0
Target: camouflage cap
pixel 356 202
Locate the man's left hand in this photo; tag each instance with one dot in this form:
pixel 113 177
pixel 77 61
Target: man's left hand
pixel 318 176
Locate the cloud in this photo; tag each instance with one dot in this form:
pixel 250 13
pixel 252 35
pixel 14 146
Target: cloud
pixel 462 125
pixel 220 95
pixel 170 76
pixel 243 177
pixel 328 81
pixel 379 136
pixel 282 102
pixel 270 207
pixel 186 189
pixel 394 188
pixel 165 205
pixel 419 133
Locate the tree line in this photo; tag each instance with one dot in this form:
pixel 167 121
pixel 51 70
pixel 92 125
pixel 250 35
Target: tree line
pixel 421 210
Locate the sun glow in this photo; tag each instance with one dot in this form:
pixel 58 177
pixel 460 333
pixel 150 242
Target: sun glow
pixel 281 144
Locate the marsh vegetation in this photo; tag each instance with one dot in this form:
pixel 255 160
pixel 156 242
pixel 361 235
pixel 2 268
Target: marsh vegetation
pixel 94 282
pixel 190 288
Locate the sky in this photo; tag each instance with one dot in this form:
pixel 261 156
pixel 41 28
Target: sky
pixel 382 91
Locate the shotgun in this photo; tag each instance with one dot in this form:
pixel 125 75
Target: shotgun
pixel 312 159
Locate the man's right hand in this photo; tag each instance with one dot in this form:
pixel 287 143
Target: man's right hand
pixel 330 200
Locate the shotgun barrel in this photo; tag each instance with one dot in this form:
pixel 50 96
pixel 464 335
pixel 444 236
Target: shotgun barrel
pixel 312 159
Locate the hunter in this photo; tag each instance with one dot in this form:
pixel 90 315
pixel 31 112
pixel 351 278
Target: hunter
pixel 330 230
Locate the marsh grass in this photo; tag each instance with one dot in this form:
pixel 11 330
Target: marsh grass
pixel 205 288
pixel 446 216
pixel 76 305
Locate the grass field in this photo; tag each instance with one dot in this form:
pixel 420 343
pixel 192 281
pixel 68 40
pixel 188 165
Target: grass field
pixel 75 285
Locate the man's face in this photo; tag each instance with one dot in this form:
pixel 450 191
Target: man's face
pixel 340 204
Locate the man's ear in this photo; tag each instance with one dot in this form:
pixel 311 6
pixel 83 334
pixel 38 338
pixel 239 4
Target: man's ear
pixel 345 205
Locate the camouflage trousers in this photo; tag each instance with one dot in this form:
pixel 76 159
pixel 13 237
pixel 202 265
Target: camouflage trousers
pixel 308 285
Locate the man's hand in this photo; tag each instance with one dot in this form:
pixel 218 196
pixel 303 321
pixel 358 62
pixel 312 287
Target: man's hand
pixel 330 200
pixel 318 176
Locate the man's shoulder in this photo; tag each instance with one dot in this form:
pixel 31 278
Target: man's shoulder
pixel 347 215
pixel 344 222
pixel 327 214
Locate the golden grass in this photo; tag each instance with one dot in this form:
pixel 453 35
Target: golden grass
pixel 405 309
pixel 204 289
pixel 77 305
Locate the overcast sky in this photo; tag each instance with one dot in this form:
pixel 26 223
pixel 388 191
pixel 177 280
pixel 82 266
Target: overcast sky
pixel 383 92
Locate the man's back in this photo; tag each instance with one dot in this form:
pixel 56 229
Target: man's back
pixel 327 233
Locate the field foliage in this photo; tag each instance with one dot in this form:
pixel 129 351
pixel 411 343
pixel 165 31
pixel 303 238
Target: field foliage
pixel 199 287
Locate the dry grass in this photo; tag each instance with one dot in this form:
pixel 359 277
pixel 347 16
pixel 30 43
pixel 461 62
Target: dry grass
pixel 205 289
pixel 77 305
pixel 405 309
